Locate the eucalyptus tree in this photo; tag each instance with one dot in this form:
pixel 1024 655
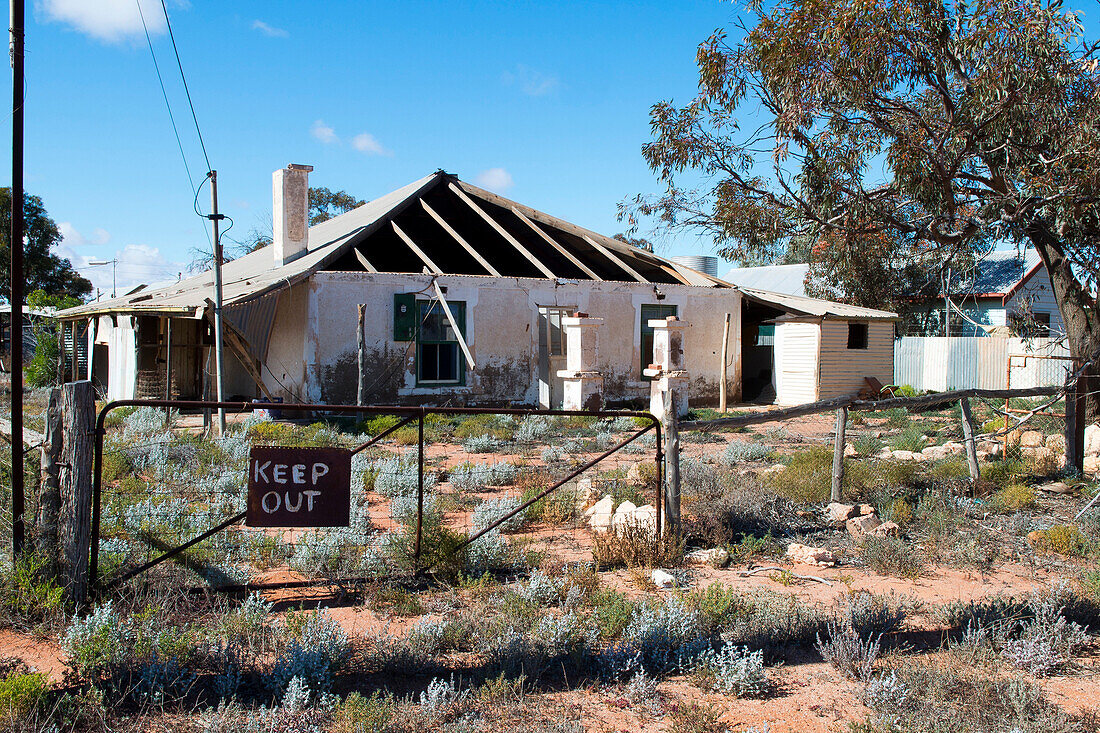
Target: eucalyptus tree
pixel 897 138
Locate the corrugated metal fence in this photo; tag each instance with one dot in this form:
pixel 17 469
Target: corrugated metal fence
pixel 959 362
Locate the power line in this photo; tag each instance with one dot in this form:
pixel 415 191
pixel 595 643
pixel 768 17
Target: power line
pixel 183 76
pixel 168 105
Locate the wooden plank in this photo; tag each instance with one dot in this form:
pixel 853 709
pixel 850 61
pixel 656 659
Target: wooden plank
pixel 852 403
pixel 615 258
pixel 419 252
pixel 458 238
pixel 553 243
pixel 363 260
pixel 675 273
pixel 454 325
pixel 502 232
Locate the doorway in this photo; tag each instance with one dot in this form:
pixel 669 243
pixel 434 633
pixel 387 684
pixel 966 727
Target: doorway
pixel 758 352
pixel 552 354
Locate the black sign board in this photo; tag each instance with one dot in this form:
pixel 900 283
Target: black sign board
pixel 299 487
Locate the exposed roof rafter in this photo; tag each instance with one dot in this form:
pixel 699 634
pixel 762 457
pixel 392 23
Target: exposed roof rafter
pixel 553 243
pixel 458 238
pixel 502 232
pixel 363 260
pixel 614 258
pixel 419 252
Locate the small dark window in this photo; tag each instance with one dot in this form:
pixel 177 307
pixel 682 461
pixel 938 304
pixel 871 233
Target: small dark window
pixel 857 335
pixel 654 313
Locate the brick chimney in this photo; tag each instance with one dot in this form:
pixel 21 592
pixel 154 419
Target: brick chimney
pixel 290 212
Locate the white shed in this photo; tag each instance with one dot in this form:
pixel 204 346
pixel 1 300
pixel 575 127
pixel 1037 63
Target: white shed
pixel 812 349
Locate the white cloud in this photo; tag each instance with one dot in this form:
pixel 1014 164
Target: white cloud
pixel 364 142
pixel 324 133
pixel 494 179
pixel 530 81
pixel 111 21
pixel 269 30
pixel 138 264
pixel 73 238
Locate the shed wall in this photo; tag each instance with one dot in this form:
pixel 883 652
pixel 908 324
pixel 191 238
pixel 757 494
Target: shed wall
pixel 843 370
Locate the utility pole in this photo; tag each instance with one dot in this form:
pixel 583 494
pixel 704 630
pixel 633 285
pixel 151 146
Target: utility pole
pixel 219 353
pixel 16 276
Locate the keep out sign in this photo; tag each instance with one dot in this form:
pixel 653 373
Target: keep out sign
pixel 299 487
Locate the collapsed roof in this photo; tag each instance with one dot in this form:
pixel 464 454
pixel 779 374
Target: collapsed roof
pixel 439 225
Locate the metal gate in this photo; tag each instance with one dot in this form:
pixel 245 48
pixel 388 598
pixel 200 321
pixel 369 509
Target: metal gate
pixel 164 492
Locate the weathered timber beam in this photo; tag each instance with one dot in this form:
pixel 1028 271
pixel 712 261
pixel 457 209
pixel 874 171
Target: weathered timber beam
pixel 553 243
pixel 503 232
pixel 458 238
pixel 852 403
pixel 615 258
pixel 419 252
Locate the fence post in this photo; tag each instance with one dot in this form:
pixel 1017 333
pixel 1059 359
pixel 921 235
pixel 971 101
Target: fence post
pixel 360 340
pixel 838 452
pixel 968 440
pixel 49 497
pixel 1075 422
pixel 419 489
pixel 672 461
pixel 74 527
pixel 722 378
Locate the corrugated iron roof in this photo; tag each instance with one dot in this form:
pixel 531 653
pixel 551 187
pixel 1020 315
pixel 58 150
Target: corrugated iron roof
pixel 996 274
pixel 801 305
pixel 789 279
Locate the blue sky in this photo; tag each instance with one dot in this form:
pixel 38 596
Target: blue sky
pixel 544 102
pixel 547 103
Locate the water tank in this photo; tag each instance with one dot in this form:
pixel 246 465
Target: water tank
pixel 702 263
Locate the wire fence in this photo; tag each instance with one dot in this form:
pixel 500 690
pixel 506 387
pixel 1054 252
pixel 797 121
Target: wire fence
pixel 164 484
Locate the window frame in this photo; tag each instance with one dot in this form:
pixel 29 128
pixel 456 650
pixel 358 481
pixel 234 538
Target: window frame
pixel 864 342
pixel 458 310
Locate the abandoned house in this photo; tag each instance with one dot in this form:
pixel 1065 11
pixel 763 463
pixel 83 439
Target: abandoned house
pixel 464 293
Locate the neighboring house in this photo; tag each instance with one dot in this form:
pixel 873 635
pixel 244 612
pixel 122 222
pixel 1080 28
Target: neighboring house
pixel 30 344
pixel 507 273
pixel 1006 294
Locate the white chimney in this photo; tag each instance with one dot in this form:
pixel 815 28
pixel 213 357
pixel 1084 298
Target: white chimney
pixel 290 212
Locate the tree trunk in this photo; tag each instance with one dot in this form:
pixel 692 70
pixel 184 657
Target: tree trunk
pixel 1074 303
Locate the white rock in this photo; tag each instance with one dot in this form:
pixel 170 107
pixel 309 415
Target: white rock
pixel 1031 439
pixel 850 450
pixel 953 448
pixel 1092 439
pixel 836 513
pixel 715 558
pixel 661 579
pixel 811 555
pixel 604 506
pixel 934 452
pixel 643 517
pixel 907 455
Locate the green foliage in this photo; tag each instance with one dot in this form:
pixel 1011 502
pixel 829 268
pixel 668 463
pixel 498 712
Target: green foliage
pixel 1061 539
pixel 1004 472
pixel 396 600
pixel 867 444
pixel 1013 498
pixel 20 694
pixel 910 439
pixel 359 714
pixel 44 367
pixel 270 432
pixel 613 612
pixel 950 469
pixel 906 390
pixel 29 595
pixel 633 546
pixel 807 478
pixel 752 546
pixel 496 427
pixel 325 204
pixel 891 556
pixel 42 269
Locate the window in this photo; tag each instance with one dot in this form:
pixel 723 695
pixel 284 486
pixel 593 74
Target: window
pixel 1029 325
pixel 555 337
pixel 857 335
pixel 765 335
pixel 439 359
pixel 652 312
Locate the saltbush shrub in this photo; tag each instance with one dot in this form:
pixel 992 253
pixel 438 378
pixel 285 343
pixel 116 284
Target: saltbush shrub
pixel 734 670
pixel 97 641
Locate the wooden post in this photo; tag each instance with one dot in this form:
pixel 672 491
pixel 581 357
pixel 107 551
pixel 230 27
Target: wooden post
pixel 672 461
pixel 838 452
pixel 78 428
pixel 361 341
pixel 1075 422
pixel 725 348
pixel 75 355
pixel 49 497
pixel 968 440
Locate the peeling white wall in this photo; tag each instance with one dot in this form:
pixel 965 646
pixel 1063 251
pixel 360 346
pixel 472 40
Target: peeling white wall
pixel 502 333
pixel 120 335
